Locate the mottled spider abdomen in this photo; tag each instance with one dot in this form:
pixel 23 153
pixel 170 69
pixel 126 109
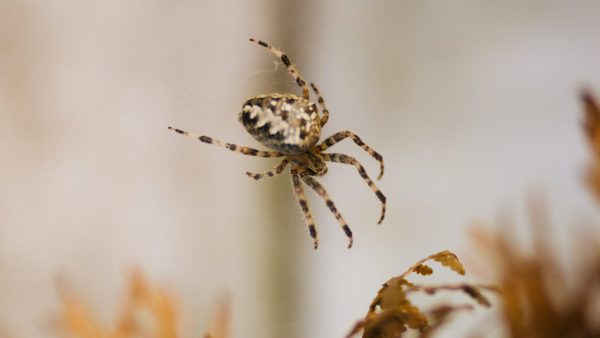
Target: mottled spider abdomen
pixel 284 122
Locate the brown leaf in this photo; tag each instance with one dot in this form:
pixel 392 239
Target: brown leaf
pixel 448 259
pixel 423 269
pixel 591 127
pixel 476 294
pixel 591 121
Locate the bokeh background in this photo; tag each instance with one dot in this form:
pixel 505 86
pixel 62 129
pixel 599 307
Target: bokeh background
pixel 473 105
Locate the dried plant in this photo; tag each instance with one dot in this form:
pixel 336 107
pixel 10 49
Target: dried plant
pixel 539 297
pixel 148 312
pixel 219 327
pixel 591 127
pixel 391 313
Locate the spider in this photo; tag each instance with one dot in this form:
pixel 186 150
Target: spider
pixel 291 126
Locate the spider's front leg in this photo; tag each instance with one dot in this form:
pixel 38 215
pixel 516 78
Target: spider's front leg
pixel 325 116
pixel 276 171
pixel 288 64
pixel 233 147
pixel 339 136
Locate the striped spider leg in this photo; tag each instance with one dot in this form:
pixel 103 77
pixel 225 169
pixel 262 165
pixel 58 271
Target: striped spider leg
pixel 318 188
pixel 233 147
pixel 341 135
pixel 288 64
pixel 299 192
pixel 325 116
pixel 276 171
pixel 345 159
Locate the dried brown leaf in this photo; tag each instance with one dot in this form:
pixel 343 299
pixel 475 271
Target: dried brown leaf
pixel 448 259
pixel 392 294
pixel 591 126
pixel 591 121
pixel 476 294
pixel 471 290
pixel 391 313
pixel 386 324
pixel 423 269
pixel 391 323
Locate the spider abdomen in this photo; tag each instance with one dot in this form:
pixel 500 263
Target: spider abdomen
pixel 284 122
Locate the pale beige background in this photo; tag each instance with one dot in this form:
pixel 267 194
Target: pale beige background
pixel 472 104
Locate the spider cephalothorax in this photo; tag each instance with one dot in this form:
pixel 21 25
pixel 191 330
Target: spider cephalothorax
pixel 291 125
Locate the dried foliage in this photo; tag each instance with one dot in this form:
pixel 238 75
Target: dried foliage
pixel 591 126
pixel 219 327
pixel 539 298
pixel 391 313
pixel 148 312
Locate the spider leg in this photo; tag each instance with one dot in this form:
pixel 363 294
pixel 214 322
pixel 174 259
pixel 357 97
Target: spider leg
pixel 304 205
pixel 316 186
pixel 235 148
pixel 325 116
pixel 276 171
pixel 288 64
pixel 345 159
pixel 337 137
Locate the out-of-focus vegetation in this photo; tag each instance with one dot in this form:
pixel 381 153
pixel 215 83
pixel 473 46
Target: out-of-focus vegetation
pixel 539 299
pixel 591 127
pixel 148 311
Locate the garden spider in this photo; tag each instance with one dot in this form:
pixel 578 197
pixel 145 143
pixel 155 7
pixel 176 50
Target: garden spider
pixel 291 126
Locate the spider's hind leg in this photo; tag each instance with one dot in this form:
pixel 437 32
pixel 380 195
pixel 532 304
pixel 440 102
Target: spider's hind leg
pixel 318 188
pixel 288 64
pixel 304 205
pixel 345 159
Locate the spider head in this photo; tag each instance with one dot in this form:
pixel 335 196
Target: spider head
pixel 316 165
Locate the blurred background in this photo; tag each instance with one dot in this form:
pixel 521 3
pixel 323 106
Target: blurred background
pixel 472 104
